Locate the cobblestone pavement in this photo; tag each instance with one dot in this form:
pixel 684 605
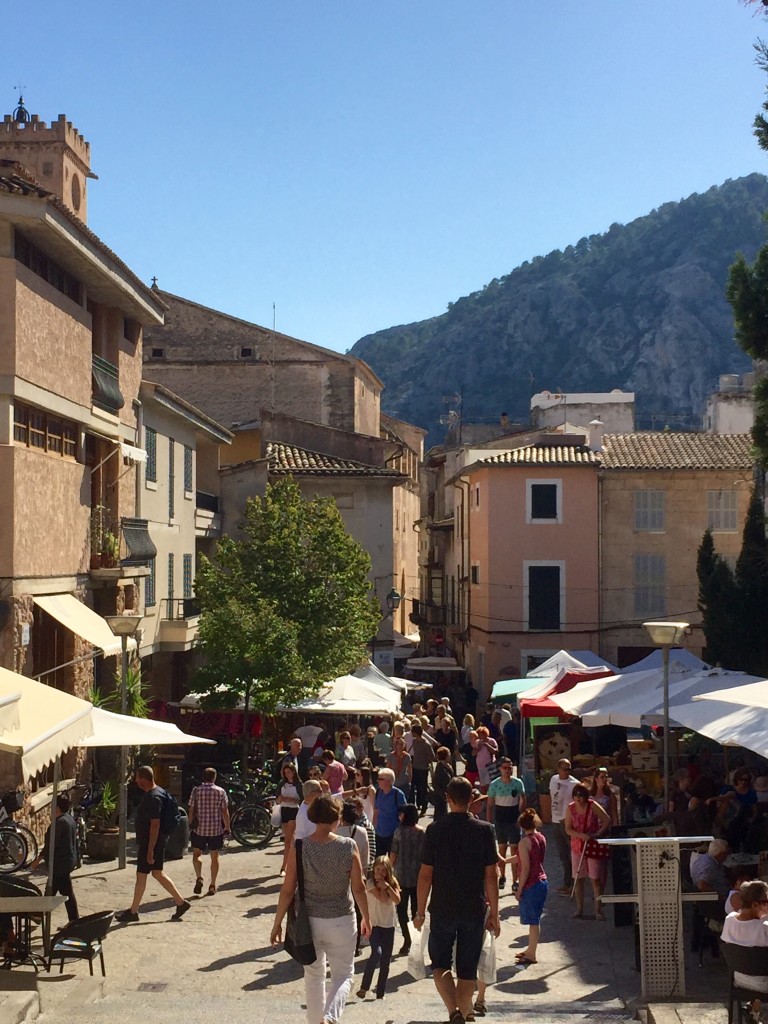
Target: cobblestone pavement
pixel 216 964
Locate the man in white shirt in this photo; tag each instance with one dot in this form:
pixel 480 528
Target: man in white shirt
pixel 561 789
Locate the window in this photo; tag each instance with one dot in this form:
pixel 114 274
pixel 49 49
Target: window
pixel 158 353
pixel 150 443
pixel 543 501
pixel 36 429
pixel 149 586
pixel 649 581
pixel 187 468
pixel 171 478
pixel 544 595
pixel 649 510
pixel 40 264
pixel 246 353
pixel 477 496
pixel 722 509
pixel 187 575
pixel 171 568
pixel 474 573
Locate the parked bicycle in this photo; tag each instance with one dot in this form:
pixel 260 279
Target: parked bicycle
pixel 12 803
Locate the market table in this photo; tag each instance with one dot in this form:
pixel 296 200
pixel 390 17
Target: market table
pixel 23 909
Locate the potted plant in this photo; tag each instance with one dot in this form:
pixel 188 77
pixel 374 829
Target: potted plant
pixel 101 839
pixel 110 550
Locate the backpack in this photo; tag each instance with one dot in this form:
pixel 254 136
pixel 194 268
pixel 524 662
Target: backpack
pixel 170 816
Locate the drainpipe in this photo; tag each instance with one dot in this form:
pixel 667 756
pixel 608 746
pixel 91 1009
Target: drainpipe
pixel 139 410
pixel 463 482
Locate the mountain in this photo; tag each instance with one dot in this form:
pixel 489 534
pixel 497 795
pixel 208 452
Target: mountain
pixel 641 307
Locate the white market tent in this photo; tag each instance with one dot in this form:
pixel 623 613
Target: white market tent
pixel 751 694
pixel 569 660
pixel 434 664
pixel 349 695
pixel 726 723
pixel 371 673
pixel 605 701
pixel 111 730
pixel 9 712
pixel 678 655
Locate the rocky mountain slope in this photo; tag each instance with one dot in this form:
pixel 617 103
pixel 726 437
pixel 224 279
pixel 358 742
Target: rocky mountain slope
pixel 641 307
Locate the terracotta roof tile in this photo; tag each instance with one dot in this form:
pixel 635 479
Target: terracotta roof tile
pixel 663 450
pixel 288 458
pixel 546 455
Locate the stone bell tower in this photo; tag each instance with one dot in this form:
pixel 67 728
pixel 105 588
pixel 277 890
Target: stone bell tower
pixel 57 156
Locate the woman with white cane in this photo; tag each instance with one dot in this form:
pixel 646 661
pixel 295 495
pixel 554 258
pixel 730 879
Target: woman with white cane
pixel 585 822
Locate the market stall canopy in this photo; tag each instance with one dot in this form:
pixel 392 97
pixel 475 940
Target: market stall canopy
pixel 570 660
pixel 433 665
pixel 751 694
pixel 677 656
pixel 349 695
pixel 541 705
pixel 411 684
pixel 78 618
pixel 111 730
pixel 371 673
pixel 512 687
pixel 9 712
pixel 50 722
pixel 726 723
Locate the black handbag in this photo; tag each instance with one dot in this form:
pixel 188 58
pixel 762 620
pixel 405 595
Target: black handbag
pixel 298 933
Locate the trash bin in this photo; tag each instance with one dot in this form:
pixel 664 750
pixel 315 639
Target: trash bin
pixel 178 841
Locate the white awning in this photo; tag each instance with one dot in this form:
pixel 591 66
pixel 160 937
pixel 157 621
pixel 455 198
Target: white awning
pixel 110 730
pixel 128 451
pixel 9 712
pixel 50 722
pixel 82 620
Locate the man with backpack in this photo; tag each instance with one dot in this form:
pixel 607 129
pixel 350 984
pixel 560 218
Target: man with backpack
pixel 156 817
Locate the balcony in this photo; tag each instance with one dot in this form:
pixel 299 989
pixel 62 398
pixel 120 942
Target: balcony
pixel 179 617
pixel 124 555
pixel 207 515
pixel 427 613
pixel 106 394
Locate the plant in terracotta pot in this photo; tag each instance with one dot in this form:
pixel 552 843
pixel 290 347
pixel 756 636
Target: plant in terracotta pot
pixel 101 838
pixel 110 550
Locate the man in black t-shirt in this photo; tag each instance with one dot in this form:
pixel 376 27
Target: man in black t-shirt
pixel 64 855
pixel 459 868
pixel 151 841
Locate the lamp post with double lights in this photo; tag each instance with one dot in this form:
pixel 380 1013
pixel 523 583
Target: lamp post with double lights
pixel 666 635
pixel 124 626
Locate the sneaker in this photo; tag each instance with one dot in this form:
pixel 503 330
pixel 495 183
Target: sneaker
pixel 198 886
pixel 502 881
pixel 126 915
pixel 361 993
pixel 181 910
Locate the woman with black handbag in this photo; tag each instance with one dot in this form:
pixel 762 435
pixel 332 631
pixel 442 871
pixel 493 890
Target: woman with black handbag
pixel 329 873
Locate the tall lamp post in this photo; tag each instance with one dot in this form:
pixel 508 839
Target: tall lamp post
pixel 666 635
pixel 124 626
pixel 392 601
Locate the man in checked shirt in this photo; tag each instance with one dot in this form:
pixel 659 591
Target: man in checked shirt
pixel 209 823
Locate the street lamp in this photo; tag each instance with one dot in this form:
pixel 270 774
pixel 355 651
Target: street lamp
pixel 124 626
pixel 666 635
pixel 393 600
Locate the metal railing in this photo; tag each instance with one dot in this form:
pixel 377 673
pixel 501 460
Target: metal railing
pixel 207 502
pixel 179 608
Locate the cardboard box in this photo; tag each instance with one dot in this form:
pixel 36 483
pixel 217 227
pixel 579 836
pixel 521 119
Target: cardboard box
pixel 645 762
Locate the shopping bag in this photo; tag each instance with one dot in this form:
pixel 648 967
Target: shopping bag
pixel 596 851
pixel 486 969
pixel 299 943
pixel 419 953
pixel 276 817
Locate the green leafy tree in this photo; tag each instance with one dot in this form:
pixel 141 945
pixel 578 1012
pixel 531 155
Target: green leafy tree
pixel 286 608
pixel 752 589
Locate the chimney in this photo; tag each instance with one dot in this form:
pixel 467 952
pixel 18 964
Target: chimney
pixel 596 435
pixel 504 421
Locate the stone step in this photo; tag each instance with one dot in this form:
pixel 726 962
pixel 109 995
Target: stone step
pixel 19 1007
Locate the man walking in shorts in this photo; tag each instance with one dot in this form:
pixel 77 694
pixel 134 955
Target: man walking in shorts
pixel 151 843
pixel 506 802
pixel 209 822
pixel 459 870
pixel 560 790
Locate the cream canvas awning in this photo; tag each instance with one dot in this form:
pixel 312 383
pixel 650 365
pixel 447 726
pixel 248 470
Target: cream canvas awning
pixel 50 722
pixel 9 712
pixel 82 620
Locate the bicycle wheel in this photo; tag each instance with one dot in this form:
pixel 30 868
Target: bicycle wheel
pixel 252 826
pixel 30 839
pixel 13 851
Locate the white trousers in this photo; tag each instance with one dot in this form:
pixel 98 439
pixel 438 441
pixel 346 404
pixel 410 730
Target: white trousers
pixel 334 939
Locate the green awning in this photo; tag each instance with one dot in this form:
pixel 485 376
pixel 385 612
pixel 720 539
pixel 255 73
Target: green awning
pixel 511 687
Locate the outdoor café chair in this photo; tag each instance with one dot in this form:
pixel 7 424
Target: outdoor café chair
pixel 746 960
pixel 82 939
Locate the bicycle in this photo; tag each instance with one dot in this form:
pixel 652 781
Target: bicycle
pixel 251 824
pixel 13 850
pixel 11 803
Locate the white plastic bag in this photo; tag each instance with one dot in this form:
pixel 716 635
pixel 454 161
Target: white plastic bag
pixel 276 816
pixel 486 969
pixel 419 954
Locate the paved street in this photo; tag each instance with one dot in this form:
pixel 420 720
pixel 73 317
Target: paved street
pixel 216 963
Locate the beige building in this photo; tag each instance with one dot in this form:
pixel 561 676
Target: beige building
pixel 179 497
pixel 615 410
pixel 71 320
pixel 658 494
pixel 731 409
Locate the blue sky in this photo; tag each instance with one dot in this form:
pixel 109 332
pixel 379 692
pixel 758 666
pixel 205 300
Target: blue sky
pixel 361 164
